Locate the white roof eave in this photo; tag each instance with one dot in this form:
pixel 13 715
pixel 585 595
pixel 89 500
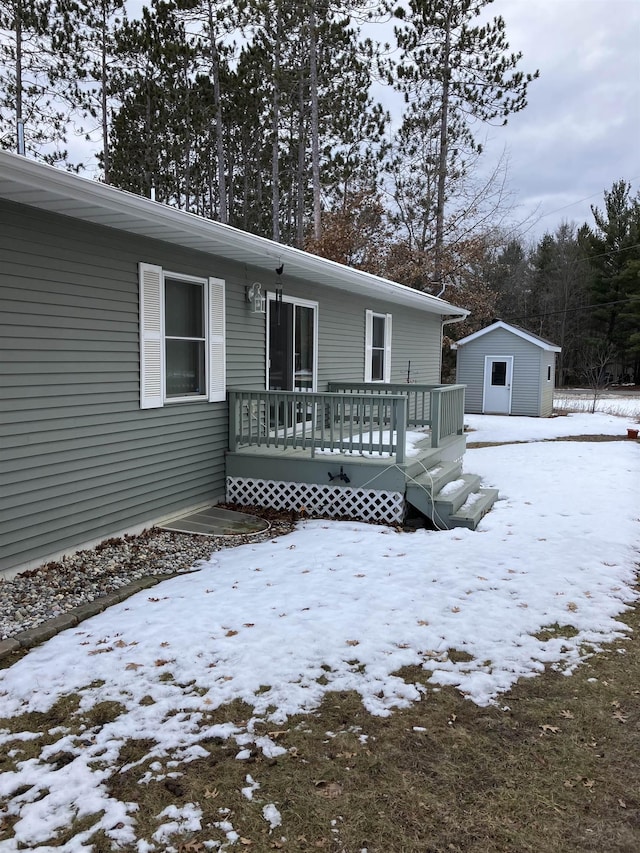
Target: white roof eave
pixel 44 187
pixel 500 324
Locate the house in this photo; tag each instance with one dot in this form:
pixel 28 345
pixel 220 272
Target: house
pixel 154 362
pixel 507 371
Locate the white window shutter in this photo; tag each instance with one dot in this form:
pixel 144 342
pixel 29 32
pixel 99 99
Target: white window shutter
pixel 217 348
pixel 151 342
pixel 368 344
pixel 387 349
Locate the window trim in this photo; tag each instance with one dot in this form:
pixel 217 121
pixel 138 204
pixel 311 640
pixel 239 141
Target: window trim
pixel 153 386
pixel 368 347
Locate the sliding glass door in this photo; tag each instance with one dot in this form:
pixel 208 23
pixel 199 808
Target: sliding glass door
pixel 291 344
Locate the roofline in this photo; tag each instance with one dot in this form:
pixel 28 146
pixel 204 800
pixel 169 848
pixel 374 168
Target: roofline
pixel 500 324
pixel 45 187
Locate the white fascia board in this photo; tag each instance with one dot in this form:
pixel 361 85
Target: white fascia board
pixel 500 324
pixel 47 188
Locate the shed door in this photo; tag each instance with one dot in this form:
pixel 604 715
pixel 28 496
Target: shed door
pixel 498 370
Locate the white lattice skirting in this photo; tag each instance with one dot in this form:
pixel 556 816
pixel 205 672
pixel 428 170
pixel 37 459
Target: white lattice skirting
pixel 334 501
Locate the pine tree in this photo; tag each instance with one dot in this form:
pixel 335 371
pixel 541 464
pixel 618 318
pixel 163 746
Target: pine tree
pixel 458 73
pixel 97 24
pixel 613 247
pixel 151 137
pixel 37 94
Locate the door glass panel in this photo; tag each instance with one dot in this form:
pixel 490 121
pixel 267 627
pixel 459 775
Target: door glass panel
pixel 303 337
pixel 498 372
pixel 280 346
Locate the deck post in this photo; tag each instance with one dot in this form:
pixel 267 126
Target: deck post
pixel 401 430
pixel 434 413
pixel 233 421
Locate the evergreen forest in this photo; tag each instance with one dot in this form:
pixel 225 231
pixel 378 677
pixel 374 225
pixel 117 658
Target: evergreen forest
pixel 270 115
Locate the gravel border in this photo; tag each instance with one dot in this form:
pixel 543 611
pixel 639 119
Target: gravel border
pixel 39 603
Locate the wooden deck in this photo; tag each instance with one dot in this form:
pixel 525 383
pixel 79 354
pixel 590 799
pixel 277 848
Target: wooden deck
pixel 348 447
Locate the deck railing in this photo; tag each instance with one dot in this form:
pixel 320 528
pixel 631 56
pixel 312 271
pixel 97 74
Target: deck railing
pixel 362 423
pixel 439 407
pixel 447 412
pixel 418 397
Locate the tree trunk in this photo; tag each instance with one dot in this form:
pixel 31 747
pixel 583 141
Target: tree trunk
pixel 103 97
pixel 301 184
pixel 315 130
pixel 275 124
pixel 442 157
pixel 20 146
pixel 217 104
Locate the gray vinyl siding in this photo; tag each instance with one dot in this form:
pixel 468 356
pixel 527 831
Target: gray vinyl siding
pixel 415 337
pixel 531 393
pixel 470 372
pixel 80 460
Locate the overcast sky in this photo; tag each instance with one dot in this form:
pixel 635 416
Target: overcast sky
pixel 581 129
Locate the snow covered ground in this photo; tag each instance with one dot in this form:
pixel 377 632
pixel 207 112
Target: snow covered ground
pixel 341 606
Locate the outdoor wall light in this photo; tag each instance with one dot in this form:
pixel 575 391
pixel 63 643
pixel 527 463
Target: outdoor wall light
pixel 278 300
pixel 279 271
pixel 255 298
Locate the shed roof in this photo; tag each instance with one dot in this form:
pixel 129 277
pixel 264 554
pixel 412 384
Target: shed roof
pixel 515 330
pixel 44 187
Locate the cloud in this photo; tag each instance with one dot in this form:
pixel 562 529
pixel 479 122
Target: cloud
pixel 580 130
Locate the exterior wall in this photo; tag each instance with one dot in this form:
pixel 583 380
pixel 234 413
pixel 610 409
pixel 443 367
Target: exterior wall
pixel 415 336
pixel 80 460
pixel 470 372
pixel 547 386
pixel 529 372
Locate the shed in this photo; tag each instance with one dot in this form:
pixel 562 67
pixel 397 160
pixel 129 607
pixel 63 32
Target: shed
pixel 507 371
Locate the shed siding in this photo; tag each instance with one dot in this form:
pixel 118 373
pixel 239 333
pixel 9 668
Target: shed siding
pixel 548 360
pixel 527 368
pixel 470 372
pixel 80 460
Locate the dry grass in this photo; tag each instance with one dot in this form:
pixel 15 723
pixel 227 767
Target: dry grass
pixel 577 405
pixel 551 768
pixel 471 445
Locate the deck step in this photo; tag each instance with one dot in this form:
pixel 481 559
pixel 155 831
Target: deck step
pixel 449 498
pixel 445 494
pixel 470 515
pixel 434 477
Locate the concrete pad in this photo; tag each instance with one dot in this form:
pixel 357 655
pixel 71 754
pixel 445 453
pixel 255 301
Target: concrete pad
pixel 217 521
pixel 9 646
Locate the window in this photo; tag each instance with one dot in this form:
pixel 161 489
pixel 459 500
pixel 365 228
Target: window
pixel 499 373
pixel 377 366
pixel 548 373
pixel 182 338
